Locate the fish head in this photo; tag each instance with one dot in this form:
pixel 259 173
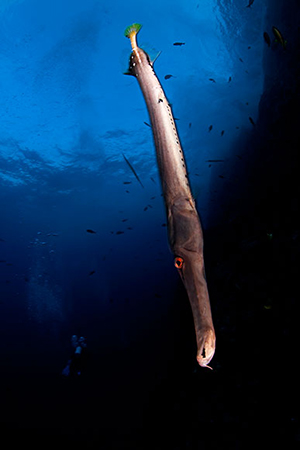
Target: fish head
pixel 186 242
pixel 190 266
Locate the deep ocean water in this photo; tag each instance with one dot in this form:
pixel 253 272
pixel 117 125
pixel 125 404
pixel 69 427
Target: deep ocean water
pixel 68 115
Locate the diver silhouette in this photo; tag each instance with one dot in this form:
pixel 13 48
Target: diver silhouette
pixel 76 363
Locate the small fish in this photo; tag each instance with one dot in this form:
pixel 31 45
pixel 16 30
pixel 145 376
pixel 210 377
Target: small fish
pixel 129 228
pixel 152 198
pixel 178 43
pixel 148 124
pixel 267 39
pixel 241 60
pixel 124 220
pixel 119 232
pixel 91 231
pixel 133 171
pixel 252 121
pixel 126 182
pixel 221 176
pixel 210 127
pixel 279 37
pixel 250 3
pixel 222 132
pixel 92 272
pixel 190 124
pixel 167 77
pixel 267 306
pixel 152 179
pixel 146 207
pixel 211 79
pixel 215 160
pixel 163 224
pixel 229 79
pixel 2 260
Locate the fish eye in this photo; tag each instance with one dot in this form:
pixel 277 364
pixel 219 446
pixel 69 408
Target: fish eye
pixel 178 262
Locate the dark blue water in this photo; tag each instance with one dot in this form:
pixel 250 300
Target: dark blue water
pixel 68 114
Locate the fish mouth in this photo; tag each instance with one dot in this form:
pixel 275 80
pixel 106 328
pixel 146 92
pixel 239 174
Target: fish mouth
pixel 206 346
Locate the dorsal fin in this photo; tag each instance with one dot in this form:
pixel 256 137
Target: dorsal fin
pixel 153 60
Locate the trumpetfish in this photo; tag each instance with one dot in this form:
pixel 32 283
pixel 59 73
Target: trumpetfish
pixel 184 227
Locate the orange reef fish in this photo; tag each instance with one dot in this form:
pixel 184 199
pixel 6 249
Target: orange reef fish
pixel 184 227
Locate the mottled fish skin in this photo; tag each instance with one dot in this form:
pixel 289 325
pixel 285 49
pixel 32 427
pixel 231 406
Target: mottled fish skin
pixel 184 227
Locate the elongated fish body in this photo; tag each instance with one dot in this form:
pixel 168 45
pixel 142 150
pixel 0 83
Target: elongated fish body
pixel 184 228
